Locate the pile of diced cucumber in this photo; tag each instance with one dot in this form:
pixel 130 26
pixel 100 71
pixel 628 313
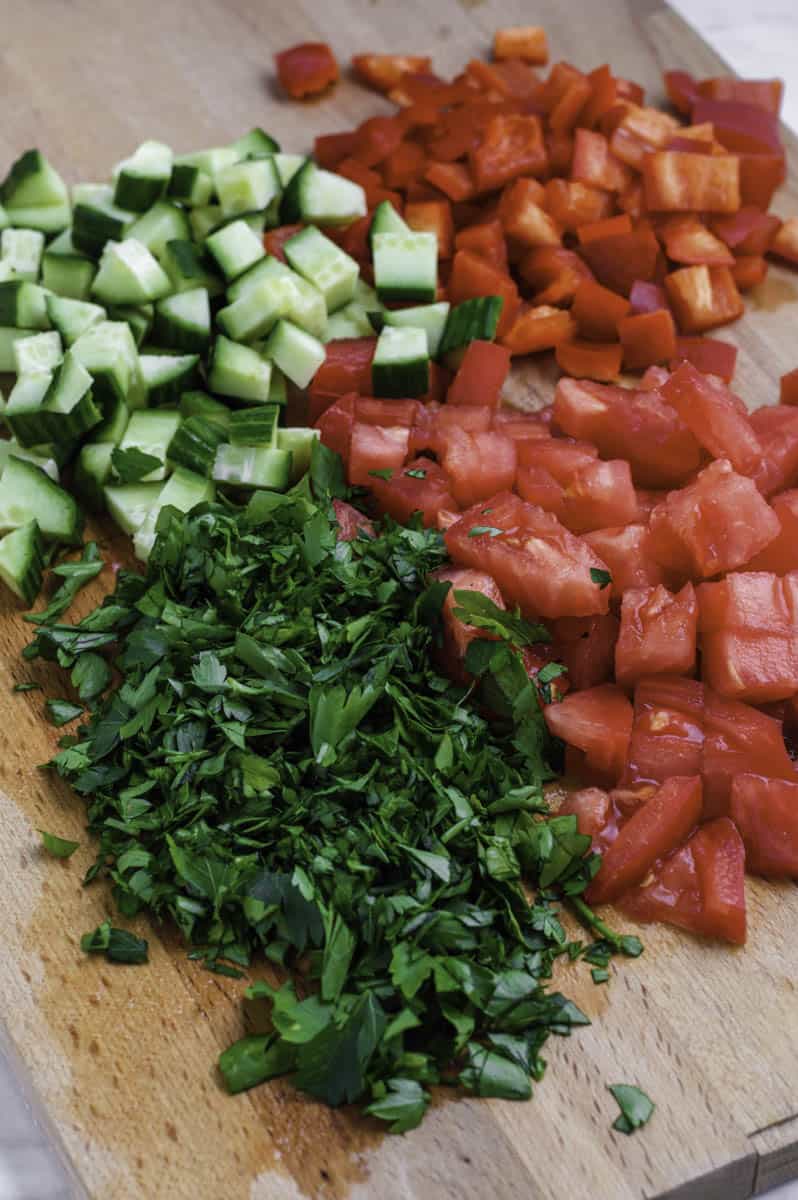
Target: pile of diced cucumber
pixel 152 336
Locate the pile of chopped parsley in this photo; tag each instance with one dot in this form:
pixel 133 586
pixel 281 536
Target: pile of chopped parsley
pixel 282 771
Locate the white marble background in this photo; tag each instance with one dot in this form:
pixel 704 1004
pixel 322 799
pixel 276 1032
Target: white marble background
pixel 758 38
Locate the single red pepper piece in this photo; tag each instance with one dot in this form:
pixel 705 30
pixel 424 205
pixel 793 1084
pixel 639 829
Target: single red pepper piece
pixel 453 179
pixel 433 216
pixel 471 277
pixel 748 271
pixel 606 228
pixel 617 261
pixel 679 182
pixel 785 242
pixel 306 69
pixel 511 146
pixel 647 339
pixel 572 204
pixel 703 298
pixel 527 42
pixel 384 71
pixel 486 240
pixel 538 328
pixel 598 311
pixel 590 360
pixel 331 148
pixel 594 164
pixel 481 375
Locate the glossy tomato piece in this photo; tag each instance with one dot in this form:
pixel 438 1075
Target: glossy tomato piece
pixel 586 646
pixel 477 464
pixel 738 739
pixel 781 555
pixel 481 375
pixel 657 828
pixel 626 552
pixel 561 457
pixel 599 495
pixel 658 634
pixel 668 730
pixel 434 422
pixel 635 425
pixel 597 721
pixel 336 424
pixel 766 813
pixel 307 69
pixel 376 448
pixel 712 525
pixel 538 486
pixel 458 635
pixel 700 887
pixel 346 367
pixel 351 521
pixel 749 636
pixel 369 410
pixel 422 486
pixel 592 808
pixel 776 426
pixel 537 563
pixel 708 355
pixel 714 415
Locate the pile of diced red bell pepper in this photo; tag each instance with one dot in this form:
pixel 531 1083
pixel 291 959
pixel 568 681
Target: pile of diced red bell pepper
pixel 653 527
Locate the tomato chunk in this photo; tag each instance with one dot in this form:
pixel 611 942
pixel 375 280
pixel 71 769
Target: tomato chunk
pixel 538 564
pixel 678 181
pixel 346 367
pixel 719 422
pixel 715 524
pixel 766 813
pixel 336 424
pixel 709 355
pixel 668 730
pixel 351 521
pixel 738 739
pixel 562 457
pixel 538 486
pixel 422 486
pixel 376 448
pixel 477 464
pixel 307 69
pixel 777 430
pixel 481 375
pixel 658 634
pixel 703 298
pixel 586 646
pixel 700 887
pixel 749 636
pixel 658 827
pixel 458 635
pixel 592 809
pixel 599 495
pixel 628 558
pixel 597 721
pixel 635 425
pixel 781 555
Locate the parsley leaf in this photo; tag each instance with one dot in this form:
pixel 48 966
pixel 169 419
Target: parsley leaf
pixel 480 530
pixel 61 712
pixel 602 578
pixel 416 473
pixel 75 575
pixel 118 945
pixel 132 465
pixel 636 1108
pixel 385 473
pixel 57 846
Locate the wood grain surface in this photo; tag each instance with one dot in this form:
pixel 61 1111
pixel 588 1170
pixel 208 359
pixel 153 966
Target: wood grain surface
pixel 123 1058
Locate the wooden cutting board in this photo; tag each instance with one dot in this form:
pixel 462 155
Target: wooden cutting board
pixel 124 1058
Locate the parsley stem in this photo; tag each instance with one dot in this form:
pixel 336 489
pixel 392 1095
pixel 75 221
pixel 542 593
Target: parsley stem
pixel 588 917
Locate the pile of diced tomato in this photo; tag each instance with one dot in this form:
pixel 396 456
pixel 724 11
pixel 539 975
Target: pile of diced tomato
pixel 653 526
